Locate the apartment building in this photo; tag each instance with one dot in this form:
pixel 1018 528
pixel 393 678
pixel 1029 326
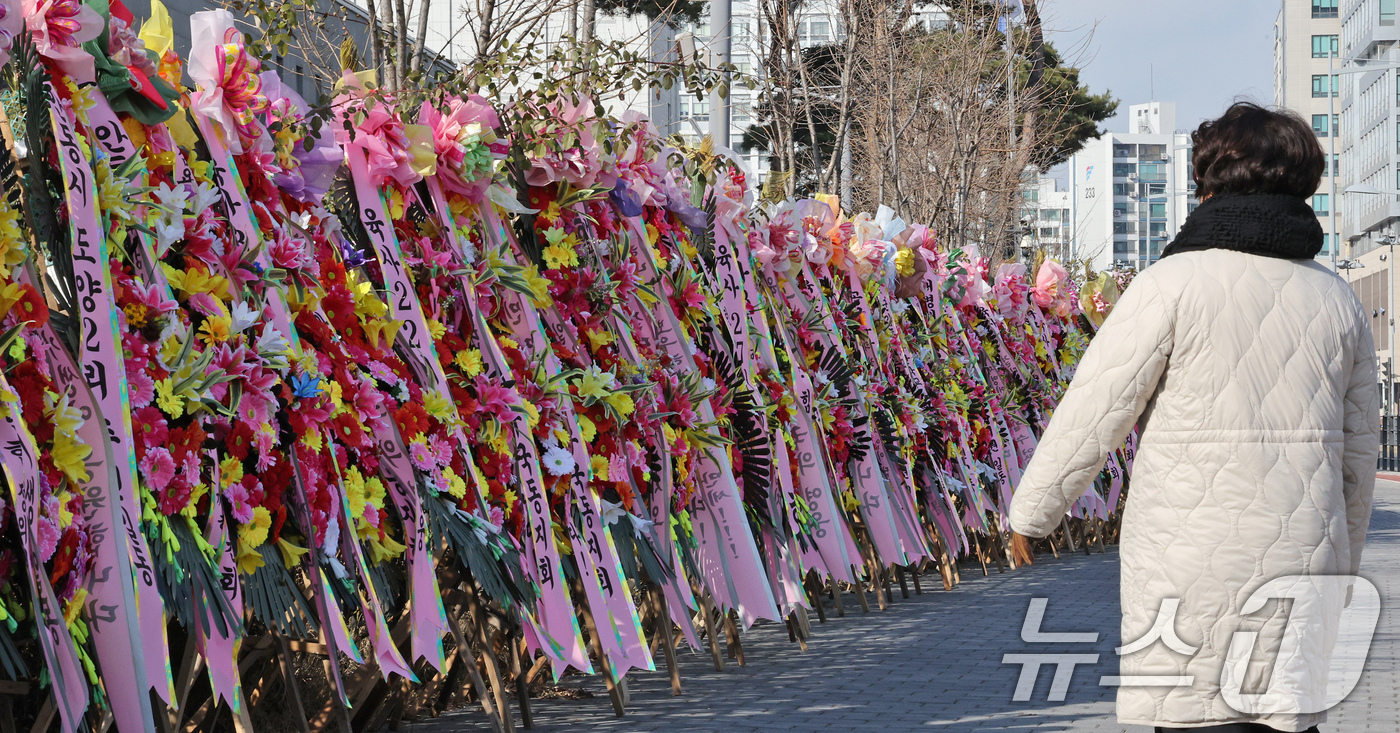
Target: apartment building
pixel 1130 192
pixel 1306 45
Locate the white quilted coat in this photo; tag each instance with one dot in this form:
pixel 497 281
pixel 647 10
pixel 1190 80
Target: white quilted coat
pixel 1254 382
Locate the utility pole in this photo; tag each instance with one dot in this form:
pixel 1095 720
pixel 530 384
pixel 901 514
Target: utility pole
pixel 721 37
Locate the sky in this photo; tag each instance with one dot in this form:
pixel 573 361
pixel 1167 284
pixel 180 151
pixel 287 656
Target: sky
pixel 1200 54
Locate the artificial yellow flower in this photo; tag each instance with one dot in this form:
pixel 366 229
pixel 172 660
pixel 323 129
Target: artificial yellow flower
pixel 109 192
pixel 166 399
pixel 557 256
pixel 456 486
pixel 312 440
pixel 439 406
pixel 595 383
pixel 622 403
pixel 552 212
pixel 507 342
pixel 251 536
pixel 230 471
pixel 65 515
pixel 904 262
pixel 469 361
pixel 539 288
pixel 291 554
pixel 599 466
pixel 509 498
pixel 135 314
pixel 436 329
pixel 532 413
pixel 598 339
pixel 395 203
pixel 381 328
pixel 196 280
pixel 587 430
pixel 355 491
pixel 215 330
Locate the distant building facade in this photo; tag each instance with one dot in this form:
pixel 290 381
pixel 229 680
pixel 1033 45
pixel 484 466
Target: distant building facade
pixel 1130 192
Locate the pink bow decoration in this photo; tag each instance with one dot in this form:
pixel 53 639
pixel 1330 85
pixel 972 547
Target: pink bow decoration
pixel 59 28
pixel 1050 284
pixel 229 90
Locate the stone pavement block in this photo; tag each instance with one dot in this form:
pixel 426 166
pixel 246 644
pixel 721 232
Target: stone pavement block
pixel 933 662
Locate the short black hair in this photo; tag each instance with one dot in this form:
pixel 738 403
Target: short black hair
pixel 1250 149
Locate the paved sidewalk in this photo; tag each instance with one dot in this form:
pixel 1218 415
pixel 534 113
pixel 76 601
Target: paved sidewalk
pixel 933 662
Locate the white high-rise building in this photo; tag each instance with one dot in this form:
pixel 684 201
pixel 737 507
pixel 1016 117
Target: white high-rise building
pixel 1130 192
pixel 1045 217
pixel 1305 60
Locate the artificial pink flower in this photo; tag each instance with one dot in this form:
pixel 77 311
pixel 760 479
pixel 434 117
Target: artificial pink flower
pixel 159 467
pixel 237 495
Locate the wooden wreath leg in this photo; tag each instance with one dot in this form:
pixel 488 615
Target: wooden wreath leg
pixel 836 598
pixel 190 665
pixel 795 632
pixel 885 576
pixel 814 595
pixel 663 622
pixel 488 655
pixel 1099 526
pixel 518 655
pixel 46 715
pixel 469 664
pixel 903 582
pixel 1069 536
pixel 998 547
pixel 731 630
pixel 707 608
pixel 614 693
pixel 286 665
pixel 915 570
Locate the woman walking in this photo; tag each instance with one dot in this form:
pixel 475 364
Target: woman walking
pixel 1251 372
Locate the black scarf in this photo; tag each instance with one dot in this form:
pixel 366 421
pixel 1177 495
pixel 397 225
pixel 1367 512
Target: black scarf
pixel 1266 224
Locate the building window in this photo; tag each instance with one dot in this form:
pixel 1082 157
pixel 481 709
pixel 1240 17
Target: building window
pixel 1124 227
pixel 1049 214
pixel 1124 151
pixel 1047 233
pixel 1335 163
pixel 1387 8
pixel 1324 45
pixel 1122 189
pixel 813 31
pixel 1157 211
pixel 1152 171
pixel 1320 125
pixel 1320 204
pixel 1124 169
pixel 1319 85
pixel 1325 243
pixel 1324 8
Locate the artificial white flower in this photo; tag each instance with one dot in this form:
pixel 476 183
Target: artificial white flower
pixel 205 196
pixel 558 462
pixel 172 199
pixel 243 317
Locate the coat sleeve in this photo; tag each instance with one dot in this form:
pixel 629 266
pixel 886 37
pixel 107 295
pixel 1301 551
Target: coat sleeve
pixel 1115 379
pixel 1361 435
